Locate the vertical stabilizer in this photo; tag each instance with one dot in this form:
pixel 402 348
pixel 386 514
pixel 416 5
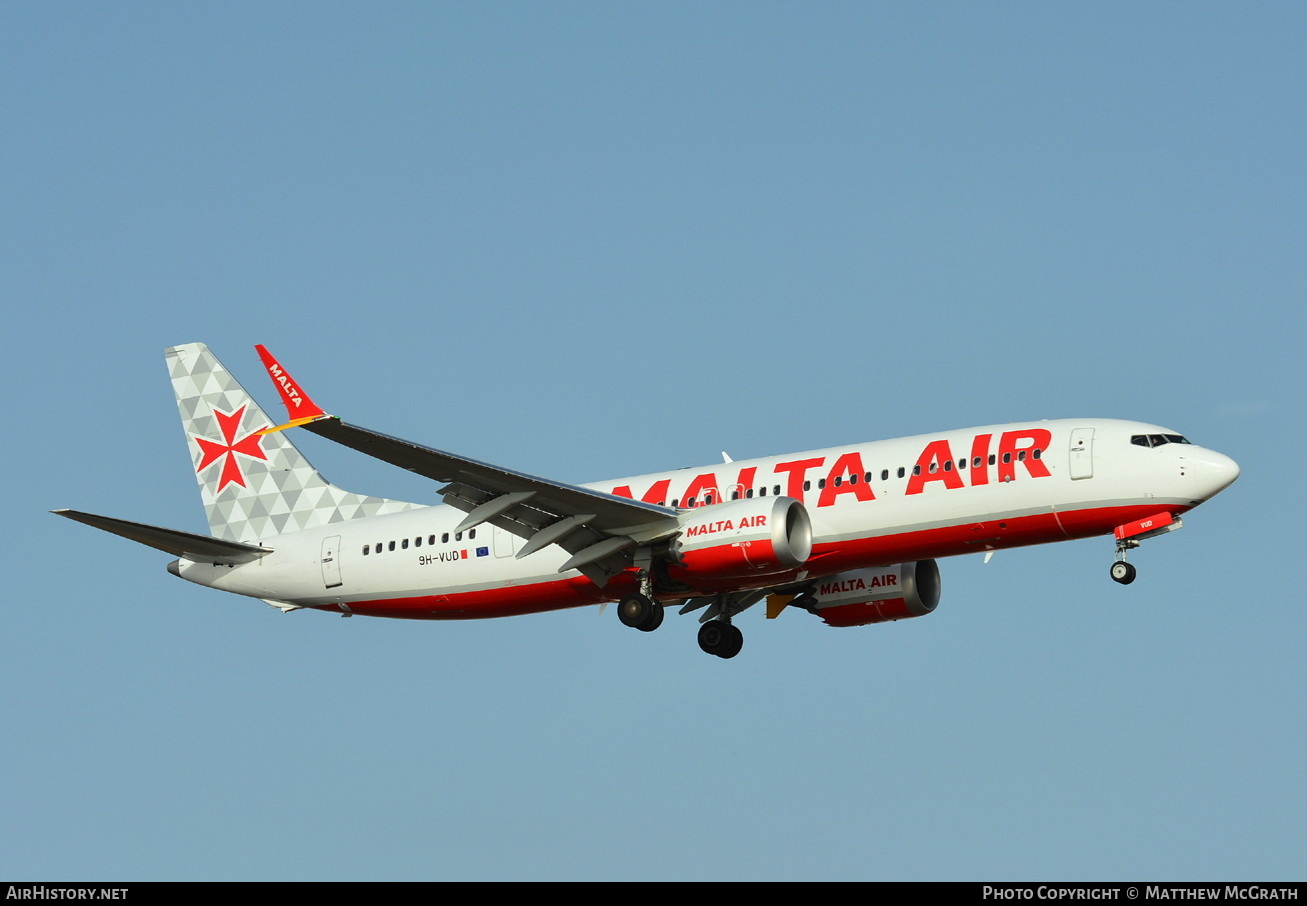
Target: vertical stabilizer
pixel 254 486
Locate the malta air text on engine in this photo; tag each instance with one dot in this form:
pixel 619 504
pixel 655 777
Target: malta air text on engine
pixel 983 460
pixel 725 525
pixel 858 583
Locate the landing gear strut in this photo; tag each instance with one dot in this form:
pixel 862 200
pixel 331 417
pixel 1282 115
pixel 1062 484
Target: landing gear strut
pixel 720 638
pixel 640 610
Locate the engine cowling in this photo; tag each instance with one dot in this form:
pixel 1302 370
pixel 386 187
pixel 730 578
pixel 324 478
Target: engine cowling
pixel 742 538
pixel 877 594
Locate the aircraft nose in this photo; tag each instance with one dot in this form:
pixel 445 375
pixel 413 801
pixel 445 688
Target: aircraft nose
pixel 1214 471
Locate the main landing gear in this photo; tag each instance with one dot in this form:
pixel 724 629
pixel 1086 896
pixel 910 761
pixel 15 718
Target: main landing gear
pixel 720 638
pixel 643 612
pixel 640 612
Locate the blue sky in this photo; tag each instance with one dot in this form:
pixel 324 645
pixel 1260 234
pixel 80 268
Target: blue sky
pixel 591 240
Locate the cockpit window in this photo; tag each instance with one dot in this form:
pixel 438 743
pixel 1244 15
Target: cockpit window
pixel 1157 440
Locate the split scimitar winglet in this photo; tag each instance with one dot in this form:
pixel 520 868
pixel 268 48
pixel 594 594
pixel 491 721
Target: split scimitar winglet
pixel 298 405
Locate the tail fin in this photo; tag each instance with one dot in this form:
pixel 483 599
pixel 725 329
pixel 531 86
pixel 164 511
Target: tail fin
pixel 253 486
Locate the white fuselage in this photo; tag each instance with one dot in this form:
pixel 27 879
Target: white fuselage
pixel 912 498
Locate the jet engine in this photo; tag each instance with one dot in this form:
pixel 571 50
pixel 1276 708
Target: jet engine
pixel 876 594
pixel 742 538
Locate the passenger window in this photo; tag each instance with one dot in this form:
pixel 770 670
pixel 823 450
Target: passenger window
pixel 391 545
pixel 884 474
pixel 404 544
pixel 900 471
pixel 472 534
pixel 444 539
pixel 366 548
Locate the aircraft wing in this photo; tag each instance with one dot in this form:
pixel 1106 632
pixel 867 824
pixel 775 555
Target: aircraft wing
pixel 598 529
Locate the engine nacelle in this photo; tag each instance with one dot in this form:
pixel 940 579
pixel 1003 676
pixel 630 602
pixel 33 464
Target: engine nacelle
pixel 877 594
pixel 742 538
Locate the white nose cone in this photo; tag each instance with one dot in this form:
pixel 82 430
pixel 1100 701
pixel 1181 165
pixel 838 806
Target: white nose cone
pixel 1214 472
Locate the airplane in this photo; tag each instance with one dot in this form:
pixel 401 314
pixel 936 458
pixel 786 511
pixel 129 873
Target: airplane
pixel 850 534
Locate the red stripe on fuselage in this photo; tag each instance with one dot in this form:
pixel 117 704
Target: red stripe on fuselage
pixel 827 558
pixel 475 605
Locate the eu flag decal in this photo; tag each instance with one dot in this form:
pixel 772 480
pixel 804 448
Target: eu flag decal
pixel 483 551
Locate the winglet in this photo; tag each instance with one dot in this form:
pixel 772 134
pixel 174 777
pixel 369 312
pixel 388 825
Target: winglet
pixel 301 409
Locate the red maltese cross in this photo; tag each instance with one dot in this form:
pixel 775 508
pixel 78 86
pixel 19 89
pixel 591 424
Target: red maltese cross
pixel 249 445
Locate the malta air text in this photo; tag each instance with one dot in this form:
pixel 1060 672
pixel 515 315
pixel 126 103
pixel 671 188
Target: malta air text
pixel 951 464
pixel 845 586
pixel 726 525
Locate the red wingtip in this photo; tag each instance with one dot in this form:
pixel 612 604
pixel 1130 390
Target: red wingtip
pixel 297 401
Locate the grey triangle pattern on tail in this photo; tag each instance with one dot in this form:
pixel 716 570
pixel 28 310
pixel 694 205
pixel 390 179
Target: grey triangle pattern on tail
pixel 253 487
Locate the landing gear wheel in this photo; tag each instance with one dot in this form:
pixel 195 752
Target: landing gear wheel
pixel 1123 572
pixel 720 638
pixel 640 612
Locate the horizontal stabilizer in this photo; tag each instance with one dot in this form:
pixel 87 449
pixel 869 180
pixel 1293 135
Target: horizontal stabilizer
pixel 180 544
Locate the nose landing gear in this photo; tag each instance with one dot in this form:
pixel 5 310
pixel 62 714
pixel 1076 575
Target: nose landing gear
pixel 1129 535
